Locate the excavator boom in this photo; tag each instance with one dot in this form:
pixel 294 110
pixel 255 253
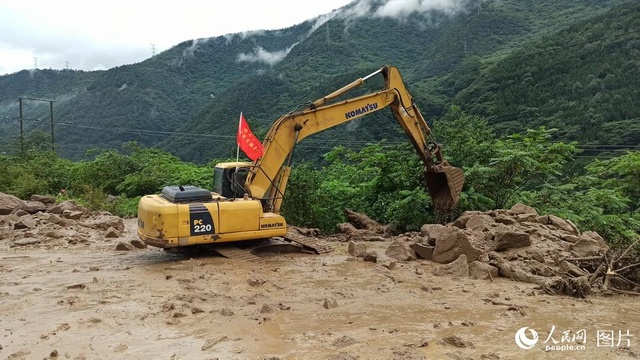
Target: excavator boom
pixel 267 180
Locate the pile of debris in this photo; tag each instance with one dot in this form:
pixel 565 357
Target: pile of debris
pixel 518 244
pixel 43 223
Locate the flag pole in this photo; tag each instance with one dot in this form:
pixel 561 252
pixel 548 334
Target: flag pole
pixel 238 151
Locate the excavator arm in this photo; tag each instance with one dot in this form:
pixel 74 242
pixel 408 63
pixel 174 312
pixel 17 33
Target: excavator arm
pixel 268 177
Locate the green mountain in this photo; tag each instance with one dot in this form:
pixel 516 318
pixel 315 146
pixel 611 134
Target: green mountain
pixel 569 64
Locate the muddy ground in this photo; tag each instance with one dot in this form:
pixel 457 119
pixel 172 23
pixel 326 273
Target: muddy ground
pixel 74 296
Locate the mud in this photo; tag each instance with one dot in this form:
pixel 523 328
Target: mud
pixel 76 297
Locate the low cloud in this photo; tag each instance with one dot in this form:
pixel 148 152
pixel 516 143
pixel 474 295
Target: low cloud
pixel 259 54
pixel 401 9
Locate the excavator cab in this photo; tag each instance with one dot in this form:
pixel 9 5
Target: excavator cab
pixel 229 179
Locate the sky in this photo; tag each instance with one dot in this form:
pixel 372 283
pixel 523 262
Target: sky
pixel 90 35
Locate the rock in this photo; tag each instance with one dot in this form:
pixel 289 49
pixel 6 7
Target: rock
pixel 423 251
pixel 330 303
pixel 362 221
pixel 138 244
pixel 357 249
pixel 344 341
pixel 105 222
pixel 112 233
pixel 266 309
pixel 9 219
pixel 504 219
pixel 45 199
pixel 8 203
pixel 226 312
pixel 503 240
pixel 388 264
pixel 401 251
pixel 431 231
pixel 252 281
pixel 31 207
pixel 72 214
pixel 122 246
pixel 526 218
pixel 457 268
pixel 561 224
pixel 461 222
pixel 479 222
pixel 481 271
pixel 65 205
pixel 570 238
pixel 595 237
pixel 452 243
pixel 519 209
pixel 19 212
pixel 589 245
pixel 370 256
pixel 347 229
pixel 25 242
pixel 55 234
pixel 457 341
pixel 25 222
pixel 54 219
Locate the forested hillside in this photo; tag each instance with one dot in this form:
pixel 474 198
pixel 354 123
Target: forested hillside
pixel 569 64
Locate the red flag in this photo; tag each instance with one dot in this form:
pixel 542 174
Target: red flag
pixel 248 142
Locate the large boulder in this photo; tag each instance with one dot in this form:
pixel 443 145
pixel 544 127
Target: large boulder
pixel 482 271
pixel 422 250
pixel 357 249
pixel 45 199
pixel 31 207
pixel 8 203
pixel 452 243
pixel 58 209
pixel 519 209
pixel 430 232
pixel 461 222
pixel 480 222
pixel 401 251
pixel 503 240
pixel 104 222
pixel 457 268
pixel 590 244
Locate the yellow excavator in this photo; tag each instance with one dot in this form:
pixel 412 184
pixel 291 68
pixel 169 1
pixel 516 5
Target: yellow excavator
pixel 247 197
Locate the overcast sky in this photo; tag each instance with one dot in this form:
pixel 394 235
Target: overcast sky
pixel 91 35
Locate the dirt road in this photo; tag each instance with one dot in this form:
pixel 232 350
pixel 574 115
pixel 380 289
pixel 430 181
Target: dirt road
pixel 85 300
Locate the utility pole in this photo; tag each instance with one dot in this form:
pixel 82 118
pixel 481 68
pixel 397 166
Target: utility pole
pixel 35 62
pixel 66 65
pixel 21 132
pixel 153 50
pixel 53 141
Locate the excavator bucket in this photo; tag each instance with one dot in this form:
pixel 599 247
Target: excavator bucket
pixel 445 185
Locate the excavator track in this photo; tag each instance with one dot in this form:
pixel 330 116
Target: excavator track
pixel 318 246
pixel 235 253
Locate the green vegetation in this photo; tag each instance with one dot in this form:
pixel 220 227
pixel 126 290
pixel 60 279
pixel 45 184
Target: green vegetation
pixel 382 180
